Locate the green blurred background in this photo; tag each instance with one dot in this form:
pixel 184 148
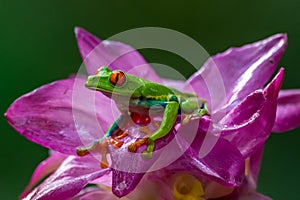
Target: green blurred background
pixel 37 46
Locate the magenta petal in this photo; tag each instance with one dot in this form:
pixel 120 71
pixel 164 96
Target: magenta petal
pixel 226 169
pixel 125 182
pixel 129 168
pixel 94 194
pixel 69 179
pixel 54 117
pixel 116 55
pixel 44 169
pixel 255 162
pixel 249 124
pixel 245 111
pixel 245 192
pixel 242 70
pixel 288 111
pixel 177 84
pixel 104 180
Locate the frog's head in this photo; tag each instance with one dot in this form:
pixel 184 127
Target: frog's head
pixel 114 82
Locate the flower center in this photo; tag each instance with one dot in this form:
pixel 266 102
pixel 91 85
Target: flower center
pixel 187 187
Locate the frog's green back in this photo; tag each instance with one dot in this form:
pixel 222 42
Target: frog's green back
pixel 106 81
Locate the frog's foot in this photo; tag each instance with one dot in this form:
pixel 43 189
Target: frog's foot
pixel 147 131
pixel 134 146
pixel 101 145
pixel 103 149
pixel 147 154
pixel 185 118
pixel 115 139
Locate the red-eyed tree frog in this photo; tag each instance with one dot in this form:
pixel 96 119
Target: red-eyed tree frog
pixel 135 97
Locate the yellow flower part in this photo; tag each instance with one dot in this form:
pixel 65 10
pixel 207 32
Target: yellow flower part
pixel 187 187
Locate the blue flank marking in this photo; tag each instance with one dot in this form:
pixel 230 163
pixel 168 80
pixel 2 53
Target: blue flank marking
pixel 151 103
pixel 155 103
pixel 113 127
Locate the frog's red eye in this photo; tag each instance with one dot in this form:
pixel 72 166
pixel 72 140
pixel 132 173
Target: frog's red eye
pixel 117 78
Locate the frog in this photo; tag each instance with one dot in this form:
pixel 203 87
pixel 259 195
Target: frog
pixel 135 98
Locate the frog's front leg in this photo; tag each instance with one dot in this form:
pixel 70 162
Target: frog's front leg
pixel 112 136
pixel 169 117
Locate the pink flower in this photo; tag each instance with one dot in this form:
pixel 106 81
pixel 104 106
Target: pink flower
pixel 228 171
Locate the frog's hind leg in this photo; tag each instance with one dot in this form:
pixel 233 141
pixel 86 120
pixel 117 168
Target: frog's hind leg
pixel 165 127
pixel 148 132
pixel 198 112
pixel 112 137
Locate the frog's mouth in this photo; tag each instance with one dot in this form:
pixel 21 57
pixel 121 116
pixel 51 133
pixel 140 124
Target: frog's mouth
pixel 105 92
pixel 108 93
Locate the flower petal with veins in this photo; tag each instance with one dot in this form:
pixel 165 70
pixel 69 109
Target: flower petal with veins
pixel 249 124
pixel 288 111
pixel 44 169
pixel 45 116
pixel 115 55
pixel 69 179
pixel 243 70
